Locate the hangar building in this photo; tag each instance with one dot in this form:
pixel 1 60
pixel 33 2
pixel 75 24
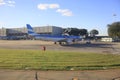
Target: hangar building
pixel 52 30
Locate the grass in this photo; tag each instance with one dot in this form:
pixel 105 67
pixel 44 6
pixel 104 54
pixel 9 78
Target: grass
pixel 56 60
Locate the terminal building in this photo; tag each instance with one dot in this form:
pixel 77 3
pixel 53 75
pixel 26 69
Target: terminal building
pixel 51 30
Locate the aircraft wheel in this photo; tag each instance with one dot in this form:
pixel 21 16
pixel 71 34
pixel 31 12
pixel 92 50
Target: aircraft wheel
pixel 60 43
pixel 55 42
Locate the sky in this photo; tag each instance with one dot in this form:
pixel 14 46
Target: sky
pixel 82 14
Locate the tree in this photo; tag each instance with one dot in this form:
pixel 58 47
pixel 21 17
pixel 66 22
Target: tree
pixel 76 31
pixel 114 30
pixel 94 32
pixel 71 31
pixel 83 32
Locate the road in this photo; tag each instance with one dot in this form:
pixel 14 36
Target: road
pixel 113 74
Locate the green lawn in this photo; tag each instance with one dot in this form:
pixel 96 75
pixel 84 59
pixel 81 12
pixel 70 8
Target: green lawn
pixel 56 60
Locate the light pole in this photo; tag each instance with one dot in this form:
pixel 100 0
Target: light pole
pixel 114 17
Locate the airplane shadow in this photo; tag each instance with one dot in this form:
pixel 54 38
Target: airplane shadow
pixel 94 45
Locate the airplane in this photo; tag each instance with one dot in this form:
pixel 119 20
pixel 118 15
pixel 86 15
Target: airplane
pixel 62 38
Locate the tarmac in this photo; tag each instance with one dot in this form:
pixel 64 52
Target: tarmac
pixel 99 47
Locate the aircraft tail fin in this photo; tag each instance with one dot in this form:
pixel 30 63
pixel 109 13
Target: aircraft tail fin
pixel 30 29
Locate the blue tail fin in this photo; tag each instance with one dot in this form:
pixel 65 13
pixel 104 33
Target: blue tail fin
pixel 30 29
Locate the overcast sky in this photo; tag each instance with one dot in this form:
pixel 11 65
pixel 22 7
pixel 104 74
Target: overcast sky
pixel 88 14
